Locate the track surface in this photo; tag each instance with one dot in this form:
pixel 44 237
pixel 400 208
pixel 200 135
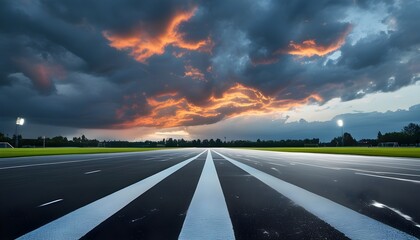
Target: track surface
pixel 209 194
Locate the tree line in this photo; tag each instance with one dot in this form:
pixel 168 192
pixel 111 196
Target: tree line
pixel 58 141
pixel 408 136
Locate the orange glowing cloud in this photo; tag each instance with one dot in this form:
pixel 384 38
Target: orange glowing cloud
pixel 172 110
pixel 194 73
pixel 310 48
pixel 142 45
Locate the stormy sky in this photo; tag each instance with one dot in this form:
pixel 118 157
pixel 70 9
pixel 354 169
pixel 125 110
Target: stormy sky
pixel 152 69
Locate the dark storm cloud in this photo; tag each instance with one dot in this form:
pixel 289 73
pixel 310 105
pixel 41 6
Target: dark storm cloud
pixel 105 63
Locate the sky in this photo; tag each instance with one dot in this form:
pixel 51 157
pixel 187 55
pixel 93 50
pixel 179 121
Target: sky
pixel 240 69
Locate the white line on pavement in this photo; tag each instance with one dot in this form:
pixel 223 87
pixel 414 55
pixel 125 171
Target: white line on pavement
pixel 95 171
pixel 208 216
pixel 357 170
pixel 71 161
pixel 351 223
pixel 79 222
pixel 386 177
pixel 48 203
pixel 54 163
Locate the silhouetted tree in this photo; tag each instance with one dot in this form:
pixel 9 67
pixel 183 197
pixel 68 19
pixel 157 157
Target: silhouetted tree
pixel 411 129
pixel 348 140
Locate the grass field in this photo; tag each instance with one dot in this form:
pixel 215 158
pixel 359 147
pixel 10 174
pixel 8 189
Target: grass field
pixel 389 152
pixel 23 152
pixel 373 151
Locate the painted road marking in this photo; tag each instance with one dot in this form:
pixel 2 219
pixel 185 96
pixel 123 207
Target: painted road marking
pixel 208 215
pixel 351 223
pixel 332 158
pixel 81 221
pixel 95 171
pixel 386 177
pixel 358 170
pixel 49 203
pixel 71 161
pixel 56 163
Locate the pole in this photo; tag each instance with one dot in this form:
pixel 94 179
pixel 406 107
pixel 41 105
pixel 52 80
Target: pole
pixel 342 136
pixel 16 134
pixel 44 142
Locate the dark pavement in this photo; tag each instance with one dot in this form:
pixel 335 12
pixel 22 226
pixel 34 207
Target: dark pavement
pixel 35 191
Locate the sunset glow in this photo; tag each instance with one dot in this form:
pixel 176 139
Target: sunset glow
pixel 309 48
pixel 194 73
pixel 142 45
pixel 171 110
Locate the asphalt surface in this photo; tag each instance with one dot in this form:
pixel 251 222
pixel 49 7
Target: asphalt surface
pixel 38 195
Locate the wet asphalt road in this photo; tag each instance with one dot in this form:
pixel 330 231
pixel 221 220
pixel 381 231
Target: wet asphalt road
pixel 35 191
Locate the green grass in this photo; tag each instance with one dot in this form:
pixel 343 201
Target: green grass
pixel 24 152
pixel 373 151
pixel 389 152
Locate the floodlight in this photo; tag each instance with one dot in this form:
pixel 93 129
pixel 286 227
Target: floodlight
pixel 340 123
pixel 20 121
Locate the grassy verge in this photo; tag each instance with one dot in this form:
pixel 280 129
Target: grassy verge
pixel 24 152
pixel 373 151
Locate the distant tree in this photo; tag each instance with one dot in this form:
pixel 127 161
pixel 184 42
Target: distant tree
pixel 412 133
pixel 348 140
pixel 336 141
pixel 399 137
pixel 76 140
pixel 379 136
pixel 411 129
pixel 170 143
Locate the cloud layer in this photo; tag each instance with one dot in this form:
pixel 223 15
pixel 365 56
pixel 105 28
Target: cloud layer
pixel 124 64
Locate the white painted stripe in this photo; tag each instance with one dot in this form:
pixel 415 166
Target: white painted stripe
pixel 351 223
pixel 392 178
pixel 56 163
pixel 79 222
pixel 72 161
pixel 95 171
pixel 357 170
pixel 208 216
pixel 48 203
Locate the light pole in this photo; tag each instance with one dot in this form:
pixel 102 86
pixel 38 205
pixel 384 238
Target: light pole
pixel 340 123
pixel 19 122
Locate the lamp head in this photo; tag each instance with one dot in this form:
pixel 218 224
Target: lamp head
pixel 20 121
pixel 340 123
